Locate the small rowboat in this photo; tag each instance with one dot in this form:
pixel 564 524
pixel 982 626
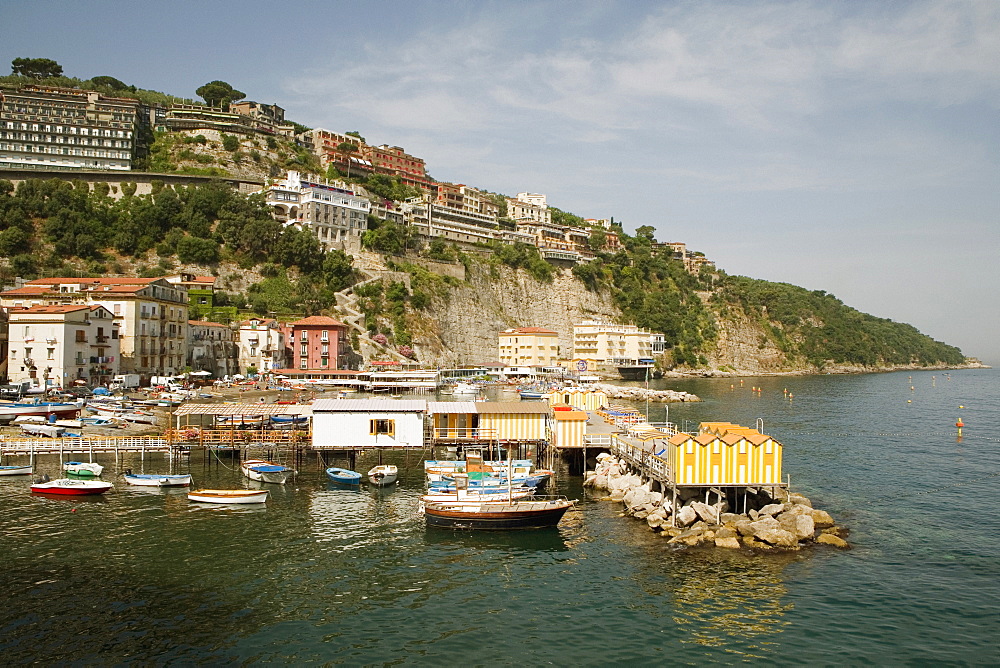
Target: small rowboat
pixel 15 470
pixel 383 475
pixel 83 469
pixel 67 487
pixel 228 495
pixel 154 480
pixel 263 471
pixel 343 476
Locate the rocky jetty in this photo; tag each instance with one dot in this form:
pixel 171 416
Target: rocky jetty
pixel 642 394
pixel 782 522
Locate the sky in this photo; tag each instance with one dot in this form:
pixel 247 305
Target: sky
pixel 852 147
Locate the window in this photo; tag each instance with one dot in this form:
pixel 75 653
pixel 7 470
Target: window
pixel 379 426
pixel 51 353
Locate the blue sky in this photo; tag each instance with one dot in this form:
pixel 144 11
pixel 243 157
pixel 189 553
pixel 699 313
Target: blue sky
pixel 846 146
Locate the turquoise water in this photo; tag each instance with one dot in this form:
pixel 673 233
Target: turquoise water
pixel 327 575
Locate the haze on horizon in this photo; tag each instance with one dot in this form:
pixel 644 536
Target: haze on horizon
pixel 848 147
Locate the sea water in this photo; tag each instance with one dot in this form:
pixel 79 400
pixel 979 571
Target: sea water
pixel 328 575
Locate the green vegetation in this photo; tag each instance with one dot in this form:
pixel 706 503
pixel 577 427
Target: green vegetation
pixel 36 68
pixel 818 328
pixel 522 256
pixel 51 227
pixel 219 94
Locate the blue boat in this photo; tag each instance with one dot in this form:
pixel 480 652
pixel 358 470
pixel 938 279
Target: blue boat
pixel 344 476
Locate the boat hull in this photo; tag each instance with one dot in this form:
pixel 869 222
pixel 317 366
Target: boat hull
pixel 263 471
pixel 67 487
pixel 496 515
pixel 151 480
pixel 228 496
pixel 15 470
pixel 383 475
pixel 344 477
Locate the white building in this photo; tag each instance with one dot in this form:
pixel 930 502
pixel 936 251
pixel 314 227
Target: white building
pixel 331 213
pixel 152 313
pixel 529 207
pixel 262 345
pixel 611 343
pixel 65 128
pixel 56 345
pixel 528 346
pixel 342 424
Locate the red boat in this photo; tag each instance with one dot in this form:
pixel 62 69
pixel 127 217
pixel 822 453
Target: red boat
pixel 67 487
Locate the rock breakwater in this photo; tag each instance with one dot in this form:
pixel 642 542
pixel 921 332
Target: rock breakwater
pixel 782 521
pixel 642 394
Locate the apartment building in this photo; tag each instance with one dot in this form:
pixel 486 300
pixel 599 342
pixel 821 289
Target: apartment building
pixel 331 213
pixel 152 315
pixel 529 346
pixel 192 117
pixel 56 345
pixel 261 345
pixel 212 347
pixel 45 127
pixel 317 342
pixel 529 207
pixel 604 342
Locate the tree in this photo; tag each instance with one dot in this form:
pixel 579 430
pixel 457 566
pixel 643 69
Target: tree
pixel 646 232
pixel 36 68
pixel 110 82
pixel 219 94
pixel 347 148
pixel 355 133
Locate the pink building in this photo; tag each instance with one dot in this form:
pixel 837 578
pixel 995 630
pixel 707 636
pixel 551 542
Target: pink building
pixel 317 342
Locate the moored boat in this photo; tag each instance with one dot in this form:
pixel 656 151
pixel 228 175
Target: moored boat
pixel 83 469
pixel 516 514
pixel 228 495
pixel 10 411
pixel 157 480
pixel 476 495
pixel 67 487
pixel 383 475
pixel 264 471
pixel 16 470
pixel 343 476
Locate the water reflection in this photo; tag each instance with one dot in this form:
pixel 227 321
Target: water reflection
pixel 730 600
pixel 549 539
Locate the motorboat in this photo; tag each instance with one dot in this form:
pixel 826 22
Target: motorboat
pixel 240 496
pixel 465 388
pixel 343 476
pixel 68 487
pixel 9 411
pixel 264 471
pixel 83 469
pixel 383 475
pixel 156 479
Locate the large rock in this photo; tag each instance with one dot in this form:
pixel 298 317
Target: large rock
pixel 766 522
pixel 830 539
pixel 799 499
pixel 691 537
pixel 601 482
pixel 725 532
pixel 821 518
pixel 731 542
pixel 777 537
pixel 771 509
pixel 800 525
pixel 617 495
pixel 686 516
pixel 744 527
pixel 730 518
pixel 705 512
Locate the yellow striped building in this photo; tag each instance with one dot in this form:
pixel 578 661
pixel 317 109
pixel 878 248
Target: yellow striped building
pixel 724 454
pixel 514 421
pixel 577 397
pixel 568 428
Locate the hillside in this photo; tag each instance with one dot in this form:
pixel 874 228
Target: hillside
pixel 451 313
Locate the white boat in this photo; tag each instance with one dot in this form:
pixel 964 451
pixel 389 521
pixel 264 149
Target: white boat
pixel 228 495
pixel 475 496
pixel 49 430
pixel 83 468
pixel 10 410
pixel 157 480
pixel 465 388
pixel 16 470
pixel 383 475
pixel 264 471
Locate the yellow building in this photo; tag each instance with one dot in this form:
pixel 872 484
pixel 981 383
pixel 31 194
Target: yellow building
pixel 577 397
pixel 568 428
pixel 529 346
pixel 724 454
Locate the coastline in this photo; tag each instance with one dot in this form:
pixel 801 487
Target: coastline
pixel 840 369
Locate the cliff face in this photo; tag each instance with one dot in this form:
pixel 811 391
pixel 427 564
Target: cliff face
pixel 462 327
